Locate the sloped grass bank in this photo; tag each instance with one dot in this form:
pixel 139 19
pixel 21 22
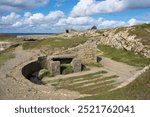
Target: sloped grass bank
pixel 142 32
pixel 124 56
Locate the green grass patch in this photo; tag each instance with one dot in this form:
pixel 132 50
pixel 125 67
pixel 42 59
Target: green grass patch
pixel 66 69
pixel 94 65
pixel 137 90
pixel 45 73
pixel 55 42
pixel 6 55
pixel 124 56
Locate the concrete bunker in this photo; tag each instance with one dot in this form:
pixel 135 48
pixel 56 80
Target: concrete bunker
pixel 75 58
pixel 31 71
pixel 56 64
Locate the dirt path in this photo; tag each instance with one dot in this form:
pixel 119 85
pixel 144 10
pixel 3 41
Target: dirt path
pixel 124 71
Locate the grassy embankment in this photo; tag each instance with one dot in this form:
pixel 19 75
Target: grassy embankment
pixel 124 56
pixel 141 31
pixel 55 42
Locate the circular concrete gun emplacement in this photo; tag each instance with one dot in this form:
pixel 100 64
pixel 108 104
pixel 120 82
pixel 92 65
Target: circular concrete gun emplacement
pixel 54 64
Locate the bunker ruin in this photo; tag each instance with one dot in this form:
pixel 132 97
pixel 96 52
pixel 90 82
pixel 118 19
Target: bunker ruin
pixel 54 63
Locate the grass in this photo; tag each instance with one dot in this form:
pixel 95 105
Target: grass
pixel 124 56
pixel 45 73
pixel 137 90
pixel 141 32
pixel 91 84
pixel 8 38
pixel 56 42
pixel 6 55
pixel 66 69
pixel 94 65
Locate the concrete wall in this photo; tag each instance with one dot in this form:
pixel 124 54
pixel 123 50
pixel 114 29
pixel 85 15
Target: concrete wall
pixel 31 68
pixel 86 52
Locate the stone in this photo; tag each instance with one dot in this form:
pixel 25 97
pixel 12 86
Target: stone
pixel 77 66
pixel 54 67
pixel 43 61
pixel 86 53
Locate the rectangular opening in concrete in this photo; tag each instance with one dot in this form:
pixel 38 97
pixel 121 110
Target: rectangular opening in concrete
pixel 63 60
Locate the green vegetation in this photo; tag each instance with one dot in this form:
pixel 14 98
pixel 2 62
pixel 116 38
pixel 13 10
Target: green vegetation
pixel 91 84
pixel 94 65
pixel 56 42
pixel 8 37
pixel 66 69
pixel 124 56
pixel 45 73
pixel 142 32
pixel 138 89
pixel 6 55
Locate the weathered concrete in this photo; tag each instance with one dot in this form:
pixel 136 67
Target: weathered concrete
pixel 86 52
pixel 76 64
pixel 43 61
pixel 54 67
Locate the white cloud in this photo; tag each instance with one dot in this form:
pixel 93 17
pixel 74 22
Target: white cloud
pixel 132 22
pixel 55 21
pixel 27 14
pixel 75 21
pixel 30 22
pixel 55 15
pixel 103 23
pixel 90 7
pixel 15 5
pixel 10 19
pixel 17 24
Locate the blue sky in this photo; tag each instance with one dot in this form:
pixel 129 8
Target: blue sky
pixel 46 16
